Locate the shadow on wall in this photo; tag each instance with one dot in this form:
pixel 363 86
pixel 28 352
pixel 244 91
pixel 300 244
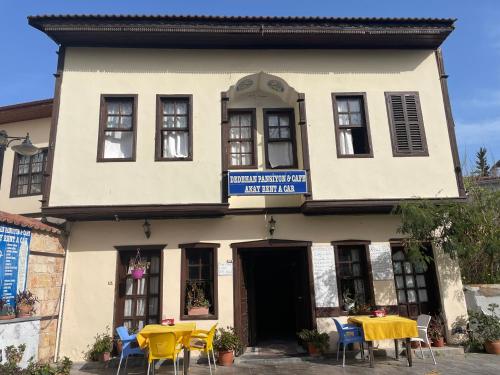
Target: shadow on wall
pixel 243 61
pixel 452 295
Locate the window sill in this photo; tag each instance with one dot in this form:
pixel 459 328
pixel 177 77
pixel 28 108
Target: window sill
pixel 20 320
pixel 355 156
pixel 25 195
pixel 199 317
pixel 190 158
pixel 115 160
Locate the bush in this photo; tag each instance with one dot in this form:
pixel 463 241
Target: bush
pixel 15 355
pixel 485 327
pixel 103 342
pixel 319 340
pixel 226 340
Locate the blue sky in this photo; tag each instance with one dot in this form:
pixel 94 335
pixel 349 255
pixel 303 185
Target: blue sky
pixel 472 52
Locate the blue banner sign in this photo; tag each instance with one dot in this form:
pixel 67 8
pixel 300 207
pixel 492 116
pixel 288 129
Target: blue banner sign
pixel 14 248
pixel 267 183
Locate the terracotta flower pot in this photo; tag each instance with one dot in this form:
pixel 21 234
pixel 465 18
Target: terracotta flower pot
pixel 492 347
pixel 438 343
pixel 312 350
pixel 7 317
pixel 414 344
pixel 425 345
pixel 198 311
pixel 104 357
pixel 24 311
pixel 225 358
pixel 137 273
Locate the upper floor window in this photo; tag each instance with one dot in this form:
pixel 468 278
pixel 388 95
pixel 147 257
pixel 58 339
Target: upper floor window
pixel 27 174
pixel 351 125
pixel 406 123
pixel 118 127
pixel 174 128
pixel 241 139
pixel 280 138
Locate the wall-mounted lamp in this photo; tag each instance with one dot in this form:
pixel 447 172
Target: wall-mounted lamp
pixel 271 226
pixel 147 228
pixel 26 148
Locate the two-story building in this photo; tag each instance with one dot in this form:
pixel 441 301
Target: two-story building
pixel 254 160
pixel 21 176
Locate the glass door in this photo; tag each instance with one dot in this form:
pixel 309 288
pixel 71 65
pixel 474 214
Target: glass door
pixel 416 285
pixel 138 300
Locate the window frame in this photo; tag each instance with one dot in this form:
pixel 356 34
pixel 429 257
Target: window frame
pixel 253 113
pixel 120 274
pixel 293 136
pixel 15 175
pixel 366 119
pixel 103 117
pixel 392 128
pixel 185 275
pixel 159 129
pixel 368 278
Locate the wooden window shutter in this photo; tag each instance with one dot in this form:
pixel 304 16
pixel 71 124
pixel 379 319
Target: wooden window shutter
pixel 407 126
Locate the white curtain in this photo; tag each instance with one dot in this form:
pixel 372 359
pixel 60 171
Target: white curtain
pixel 118 145
pixel 280 154
pixel 346 147
pixel 175 145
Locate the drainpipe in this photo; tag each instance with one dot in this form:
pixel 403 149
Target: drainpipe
pixel 67 232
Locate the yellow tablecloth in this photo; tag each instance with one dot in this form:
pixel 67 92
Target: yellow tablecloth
pixel 386 328
pixel 179 329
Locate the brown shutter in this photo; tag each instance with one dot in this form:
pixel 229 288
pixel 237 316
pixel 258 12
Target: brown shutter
pixel 407 127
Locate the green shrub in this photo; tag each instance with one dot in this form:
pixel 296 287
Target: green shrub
pixel 226 340
pixel 103 342
pixel 319 340
pixel 15 355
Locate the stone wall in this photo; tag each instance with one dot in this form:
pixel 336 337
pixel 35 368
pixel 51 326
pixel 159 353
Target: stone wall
pixel 45 273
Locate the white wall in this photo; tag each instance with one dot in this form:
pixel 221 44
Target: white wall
pixel 90 72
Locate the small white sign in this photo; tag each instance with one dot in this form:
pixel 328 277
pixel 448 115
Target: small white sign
pixel 225 269
pixel 325 278
pixel 381 260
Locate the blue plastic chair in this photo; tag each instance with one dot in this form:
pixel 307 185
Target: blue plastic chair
pixel 349 334
pixel 127 349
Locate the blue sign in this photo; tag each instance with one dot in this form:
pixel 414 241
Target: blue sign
pixel 14 248
pixel 267 183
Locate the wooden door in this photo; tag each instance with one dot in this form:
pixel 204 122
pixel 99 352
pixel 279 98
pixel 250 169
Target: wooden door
pixel 138 301
pixel 416 285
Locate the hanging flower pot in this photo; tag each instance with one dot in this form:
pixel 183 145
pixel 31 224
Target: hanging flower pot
pixel 137 273
pixel 138 266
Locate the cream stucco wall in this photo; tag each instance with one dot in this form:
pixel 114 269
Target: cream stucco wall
pixel 39 135
pixel 91 263
pixel 90 72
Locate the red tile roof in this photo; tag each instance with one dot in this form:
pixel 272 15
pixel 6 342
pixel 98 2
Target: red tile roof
pixel 26 222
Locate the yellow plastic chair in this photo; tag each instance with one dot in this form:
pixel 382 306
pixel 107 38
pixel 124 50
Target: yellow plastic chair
pixel 203 341
pixel 164 346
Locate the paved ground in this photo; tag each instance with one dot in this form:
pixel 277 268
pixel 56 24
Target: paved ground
pixel 454 365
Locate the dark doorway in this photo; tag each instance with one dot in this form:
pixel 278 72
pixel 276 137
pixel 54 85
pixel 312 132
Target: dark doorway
pixel 275 287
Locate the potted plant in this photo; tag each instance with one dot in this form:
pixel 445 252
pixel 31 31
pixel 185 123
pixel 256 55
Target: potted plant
pixel 317 343
pixel 100 350
pixel 6 311
pixel 25 303
pixel 486 328
pixel 226 342
pixel 138 267
pixel 349 301
pixel 436 331
pixel 197 303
